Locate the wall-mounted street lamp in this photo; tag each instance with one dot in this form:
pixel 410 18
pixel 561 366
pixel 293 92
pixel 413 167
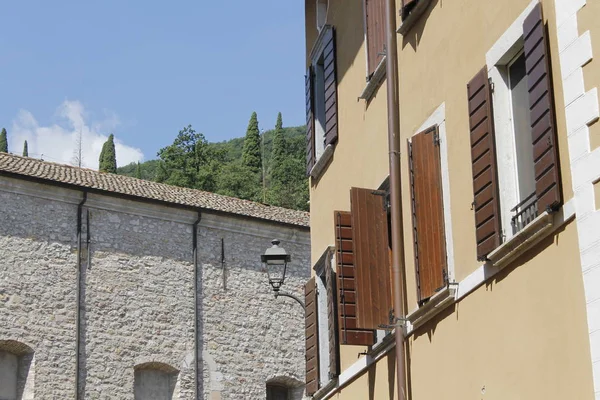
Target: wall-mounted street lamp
pixel 275 260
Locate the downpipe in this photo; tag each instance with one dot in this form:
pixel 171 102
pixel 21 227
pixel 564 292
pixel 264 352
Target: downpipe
pixel 196 316
pixel 393 111
pixel 78 297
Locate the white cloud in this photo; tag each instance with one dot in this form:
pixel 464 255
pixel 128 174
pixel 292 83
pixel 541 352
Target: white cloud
pixel 58 142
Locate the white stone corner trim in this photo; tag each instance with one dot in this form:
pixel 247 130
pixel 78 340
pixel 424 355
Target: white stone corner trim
pixel 581 110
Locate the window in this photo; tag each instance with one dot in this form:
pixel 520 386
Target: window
pixel 427 205
pixel 155 381
pixel 321 322
pixel 513 148
pixel 16 360
pixel 276 392
pixel 321 103
pixel 375 25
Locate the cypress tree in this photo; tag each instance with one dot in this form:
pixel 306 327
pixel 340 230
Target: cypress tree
pixel 25 150
pixel 3 141
pixel 138 171
pixel 108 156
pixel 251 154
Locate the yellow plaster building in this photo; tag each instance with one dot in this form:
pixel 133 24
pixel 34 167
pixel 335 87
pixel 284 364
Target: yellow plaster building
pixel 499 164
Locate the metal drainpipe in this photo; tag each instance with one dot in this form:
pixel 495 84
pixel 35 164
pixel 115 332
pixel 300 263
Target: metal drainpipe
pixel 78 294
pixel 393 110
pixel 195 256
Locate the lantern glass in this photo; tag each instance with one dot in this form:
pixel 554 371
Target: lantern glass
pixel 275 260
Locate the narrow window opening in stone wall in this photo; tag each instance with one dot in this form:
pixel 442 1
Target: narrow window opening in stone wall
pixel 285 388
pixel 155 381
pixel 16 372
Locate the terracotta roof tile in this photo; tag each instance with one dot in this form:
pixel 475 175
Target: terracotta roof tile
pixel 119 184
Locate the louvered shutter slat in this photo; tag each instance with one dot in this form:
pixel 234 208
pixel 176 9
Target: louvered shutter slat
pixel 346 284
pixel 310 122
pixel 543 129
pixel 372 258
pixel 428 213
pixel 331 119
pixel 375 10
pixel 483 154
pixel 312 337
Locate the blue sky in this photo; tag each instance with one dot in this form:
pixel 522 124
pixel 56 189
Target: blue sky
pixel 144 69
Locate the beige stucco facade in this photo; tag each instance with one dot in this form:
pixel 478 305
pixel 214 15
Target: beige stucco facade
pixel 523 333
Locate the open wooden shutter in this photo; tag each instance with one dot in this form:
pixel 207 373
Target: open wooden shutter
pixel 407 6
pixel 428 213
pixel 543 129
pixel 310 122
pixel 376 24
pixel 346 283
pixel 332 318
pixel 329 66
pixel 312 337
pixel 483 153
pixel 371 257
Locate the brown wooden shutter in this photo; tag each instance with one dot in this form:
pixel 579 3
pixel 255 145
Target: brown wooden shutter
pixel 332 317
pixel 543 129
pixel 483 154
pixel 329 66
pixel 407 6
pixel 310 122
pixel 346 283
pixel 376 25
pixel 372 258
pixel 312 337
pixel 428 213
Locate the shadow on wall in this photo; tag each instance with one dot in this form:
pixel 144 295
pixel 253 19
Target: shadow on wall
pixel 414 35
pixel 155 381
pixel 284 387
pixel 16 370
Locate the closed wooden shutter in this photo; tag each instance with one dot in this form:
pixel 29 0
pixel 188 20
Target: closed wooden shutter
pixel 330 78
pixel 312 337
pixel 483 154
pixel 346 284
pixel 376 24
pixel 372 258
pixel 330 282
pixel 310 122
pixel 428 213
pixel 541 107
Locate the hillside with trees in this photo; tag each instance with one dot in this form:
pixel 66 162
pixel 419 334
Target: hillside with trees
pixel 268 167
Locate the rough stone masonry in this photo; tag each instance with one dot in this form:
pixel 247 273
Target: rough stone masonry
pixel 136 301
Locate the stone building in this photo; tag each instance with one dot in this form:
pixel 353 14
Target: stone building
pixel 111 287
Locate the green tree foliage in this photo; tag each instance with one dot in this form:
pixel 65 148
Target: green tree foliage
pixel 190 161
pixel 108 156
pixel 217 167
pixel 251 154
pixel 3 141
pixel 138 171
pixel 25 150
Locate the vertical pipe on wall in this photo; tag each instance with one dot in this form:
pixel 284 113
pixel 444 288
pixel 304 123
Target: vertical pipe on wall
pixel 197 350
pixel 393 110
pixel 78 297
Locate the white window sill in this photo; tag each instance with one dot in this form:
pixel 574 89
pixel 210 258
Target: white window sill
pixel 375 81
pixel 434 306
pixel 322 162
pixel 324 390
pixel 537 230
pixel 414 16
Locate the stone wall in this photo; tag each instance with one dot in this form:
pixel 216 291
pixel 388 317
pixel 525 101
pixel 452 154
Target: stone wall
pixel 137 299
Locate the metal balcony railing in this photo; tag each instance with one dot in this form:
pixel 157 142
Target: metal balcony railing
pixel 525 212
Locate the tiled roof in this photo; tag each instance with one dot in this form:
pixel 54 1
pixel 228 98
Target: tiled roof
pixel 124 185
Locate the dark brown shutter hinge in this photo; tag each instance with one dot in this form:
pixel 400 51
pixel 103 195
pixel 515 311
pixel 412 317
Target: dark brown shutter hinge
pixel 436 138
pixel 491 85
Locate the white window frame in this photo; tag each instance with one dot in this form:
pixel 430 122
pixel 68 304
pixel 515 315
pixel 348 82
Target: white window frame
pixel 322 8
pixel 500 55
